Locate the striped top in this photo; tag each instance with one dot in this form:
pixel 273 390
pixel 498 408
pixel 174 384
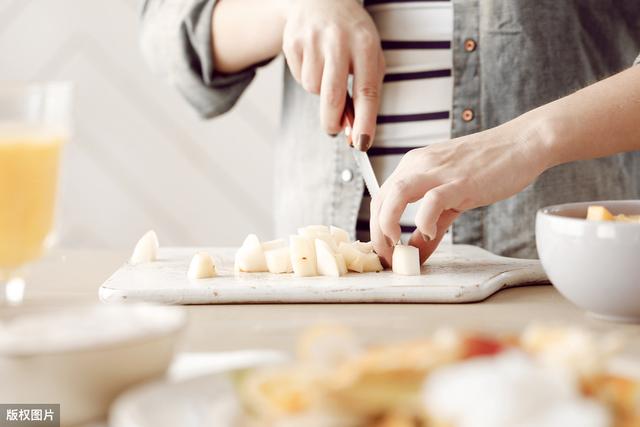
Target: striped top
pixel 416 99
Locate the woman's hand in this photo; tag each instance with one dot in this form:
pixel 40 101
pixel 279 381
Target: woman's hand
pixel 451 177
pixel 325 41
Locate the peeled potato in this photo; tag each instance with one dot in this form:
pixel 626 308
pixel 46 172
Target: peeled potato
pixel 342 265
pixel 250 257
pixel 279 260
pixel 364 247
pixel 339 235
pixel 406 260
pixel 312 231
pixel 201 266
pixel 352 256
pixel 627 218
pixel 327 262
pixel 303 256
pixel 371 263
pixel 274 244
pixel 599 213
pixel 146 249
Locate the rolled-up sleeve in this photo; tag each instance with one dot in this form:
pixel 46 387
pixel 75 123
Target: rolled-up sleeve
pixel 176 42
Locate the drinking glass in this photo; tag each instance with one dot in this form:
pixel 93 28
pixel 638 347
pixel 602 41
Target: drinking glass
pixel 35 123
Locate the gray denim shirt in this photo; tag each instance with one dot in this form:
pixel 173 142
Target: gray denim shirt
pixel 528 53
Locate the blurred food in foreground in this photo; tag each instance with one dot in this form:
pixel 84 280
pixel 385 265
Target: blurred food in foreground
pixel 28 179
pixel 83 356
pixel 600 213
pixel 546 377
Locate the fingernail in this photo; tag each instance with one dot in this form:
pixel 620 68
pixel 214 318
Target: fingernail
pixel 364 142
pixel 347 130
pixel 425 237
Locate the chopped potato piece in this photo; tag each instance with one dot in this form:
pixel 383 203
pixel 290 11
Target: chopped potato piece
pixel 328 262
pixel 250 257
pixel 600 213
pixel 406 260
pixel 303 256
pixel 201 267
pixel 279 260
pixel 146 249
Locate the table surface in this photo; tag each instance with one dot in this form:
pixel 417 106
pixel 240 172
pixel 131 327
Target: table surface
pixel 77 274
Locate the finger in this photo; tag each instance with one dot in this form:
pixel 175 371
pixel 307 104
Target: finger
pixel 333 90
pixel 400 192
pixel 312 65
pixel 381 244
pixel 368 73
pixel 293 54
pixel 434 202
pixel 426 248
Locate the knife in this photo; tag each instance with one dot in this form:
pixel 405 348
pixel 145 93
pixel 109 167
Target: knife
pixel 361 157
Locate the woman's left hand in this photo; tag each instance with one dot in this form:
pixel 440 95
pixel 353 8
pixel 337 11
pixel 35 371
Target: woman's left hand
pixel 451 177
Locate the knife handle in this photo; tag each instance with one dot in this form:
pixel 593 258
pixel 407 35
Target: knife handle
pixel 349 115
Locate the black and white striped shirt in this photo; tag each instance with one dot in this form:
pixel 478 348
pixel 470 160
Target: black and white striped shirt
pixel 416 99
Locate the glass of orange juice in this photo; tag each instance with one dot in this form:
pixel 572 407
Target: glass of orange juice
pixel 34 126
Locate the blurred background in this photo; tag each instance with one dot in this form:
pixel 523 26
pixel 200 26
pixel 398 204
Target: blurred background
pixel 140 157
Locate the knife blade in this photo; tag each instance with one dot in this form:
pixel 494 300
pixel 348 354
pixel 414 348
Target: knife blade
pixel 361 157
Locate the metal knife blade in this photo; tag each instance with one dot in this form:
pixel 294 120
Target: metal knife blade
pixel 370 180
pixel 361 157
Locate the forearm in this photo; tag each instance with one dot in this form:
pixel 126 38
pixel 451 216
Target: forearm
pixel 246 32
pixel 600 120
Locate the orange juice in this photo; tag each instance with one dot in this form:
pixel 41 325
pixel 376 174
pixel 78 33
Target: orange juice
pixel 28 179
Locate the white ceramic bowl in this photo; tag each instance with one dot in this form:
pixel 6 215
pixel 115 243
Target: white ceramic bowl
pixel 594 264
pixel 82 357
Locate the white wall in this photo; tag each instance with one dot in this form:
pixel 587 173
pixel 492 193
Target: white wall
pixel 140 157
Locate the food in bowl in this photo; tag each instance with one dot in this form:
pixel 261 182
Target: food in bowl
pixel 600 213
pixel 450 379
pixel 593 263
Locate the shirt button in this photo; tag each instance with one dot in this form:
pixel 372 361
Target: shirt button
pixel 346 175
pixel 470 45
pixel 467 114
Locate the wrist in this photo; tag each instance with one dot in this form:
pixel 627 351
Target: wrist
pixel 542 134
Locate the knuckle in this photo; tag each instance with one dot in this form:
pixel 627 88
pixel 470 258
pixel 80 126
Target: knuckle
pixel 292 46
pixel 336 35
pixel 401 186
pixel 311 36
pixel 368 91
pixel 365 38
pixel 435 197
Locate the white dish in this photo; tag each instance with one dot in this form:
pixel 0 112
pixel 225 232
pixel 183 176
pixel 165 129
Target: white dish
pixel 83 356
pixel 188 397
pixel 594 264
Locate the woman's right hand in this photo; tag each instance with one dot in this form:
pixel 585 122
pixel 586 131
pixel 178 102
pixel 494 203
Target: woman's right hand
pixel 324 42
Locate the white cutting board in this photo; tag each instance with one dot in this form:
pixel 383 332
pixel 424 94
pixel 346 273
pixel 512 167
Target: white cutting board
pixel 453 274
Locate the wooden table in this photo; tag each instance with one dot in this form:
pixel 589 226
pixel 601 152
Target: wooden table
pixel 77 274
